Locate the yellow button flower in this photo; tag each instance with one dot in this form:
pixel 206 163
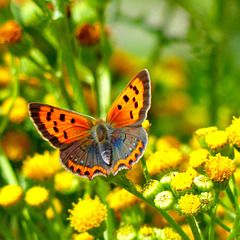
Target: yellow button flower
pixel 15 145
pixel 10 33
pixel 5 76
pixel 233 132
pixel 198 159
pixel 37 196
pixel 201 133
pixel 19 111
pixel 182 183
pixel 58 207
pixel 164 160
pixel 220 168
pixel 167 142
pixel 82 236
pixel 120 199
pixel 64 181
pixel 169 233
pixel 146 232
pixel 126 232
pixel 89 34
pixel 87 214
pixel 10 195
pixel 146 124
pixel 41 166
pixel 189 204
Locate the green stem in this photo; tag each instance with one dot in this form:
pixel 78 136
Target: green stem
pixel 213 217
pixel 145 170
pixel 195 228
pixel 6 169
pixel 121 180
pixel 15 92
pixel 230 195
pixel 236 224
pixel 220 223
pixel 6 233
pixel 66 47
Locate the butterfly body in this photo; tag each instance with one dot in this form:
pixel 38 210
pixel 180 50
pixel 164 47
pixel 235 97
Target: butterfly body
pixel 100 148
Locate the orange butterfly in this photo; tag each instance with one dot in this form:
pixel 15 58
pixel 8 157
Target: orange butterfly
pixel 100 148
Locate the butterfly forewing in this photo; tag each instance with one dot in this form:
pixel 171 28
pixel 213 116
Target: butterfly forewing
pixel 132 105
pixel 60 127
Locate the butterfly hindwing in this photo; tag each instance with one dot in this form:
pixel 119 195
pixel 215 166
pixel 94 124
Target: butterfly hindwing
pixel 83 158
pixel 128 144
pixel 132 105
pixel 60 127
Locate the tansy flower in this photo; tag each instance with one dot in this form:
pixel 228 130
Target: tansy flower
pixel 201 133
pixel 151 189
pixel 164 160
pixel 37 196
pixel 41 166
pixel 5 76
pixel 15 145
pixel 146 232
pixel 11 198
pixel 120 199
pixel 82 236
pixel 182 183
pixel 89 34
pixel 10 32
pixel 220 168
pixel 19 111
pixel 233 132
pixel 126 232
pixel 169 233
pixel 146 124
pixel 58 207
pixel 189 204
pixel 164 200
pixel 218 143
pixel 87 214
pixel 64 181
pixel 167 142
pixel 198 159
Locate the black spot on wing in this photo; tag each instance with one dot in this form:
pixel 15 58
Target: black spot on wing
pixel 72 120
pixel 131 115
pixel 62 117
pixel 126 98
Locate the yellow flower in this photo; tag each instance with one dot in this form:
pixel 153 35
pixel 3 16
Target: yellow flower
pixel 51 100
pixel 182 182
pixel 220 168
pixel 58 207
pixel 189 204
pixel 19 111
pixel 37 196
pixel 164 160
pixel 201 133
pixel 167 142
pixel 169 233
pixel 41 166
pixel 89 34
pixel 126 232
pixel 10 195
pixel 82 236
pixel 198 158
pixel 217 139
pixel 63 181
pixel 233 132
pixel 15 145
pixel 146 124
pixel 5 76
pixel 120 199
pixel 146 232
pixel 10 32
pixel 87 214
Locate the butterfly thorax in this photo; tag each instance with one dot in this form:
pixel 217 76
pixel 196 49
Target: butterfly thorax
pixel 102 136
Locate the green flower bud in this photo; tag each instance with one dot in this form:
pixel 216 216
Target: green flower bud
pixel 126 232
pixel 151 189
pixel 164 200
pixel 166 180
pixel 202 184
pixel 146 233
pixel 207 201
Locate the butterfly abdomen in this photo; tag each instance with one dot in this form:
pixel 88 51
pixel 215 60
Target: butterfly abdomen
pixel 102 136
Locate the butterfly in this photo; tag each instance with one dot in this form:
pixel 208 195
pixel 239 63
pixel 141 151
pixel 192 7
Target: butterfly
pixel 91 148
